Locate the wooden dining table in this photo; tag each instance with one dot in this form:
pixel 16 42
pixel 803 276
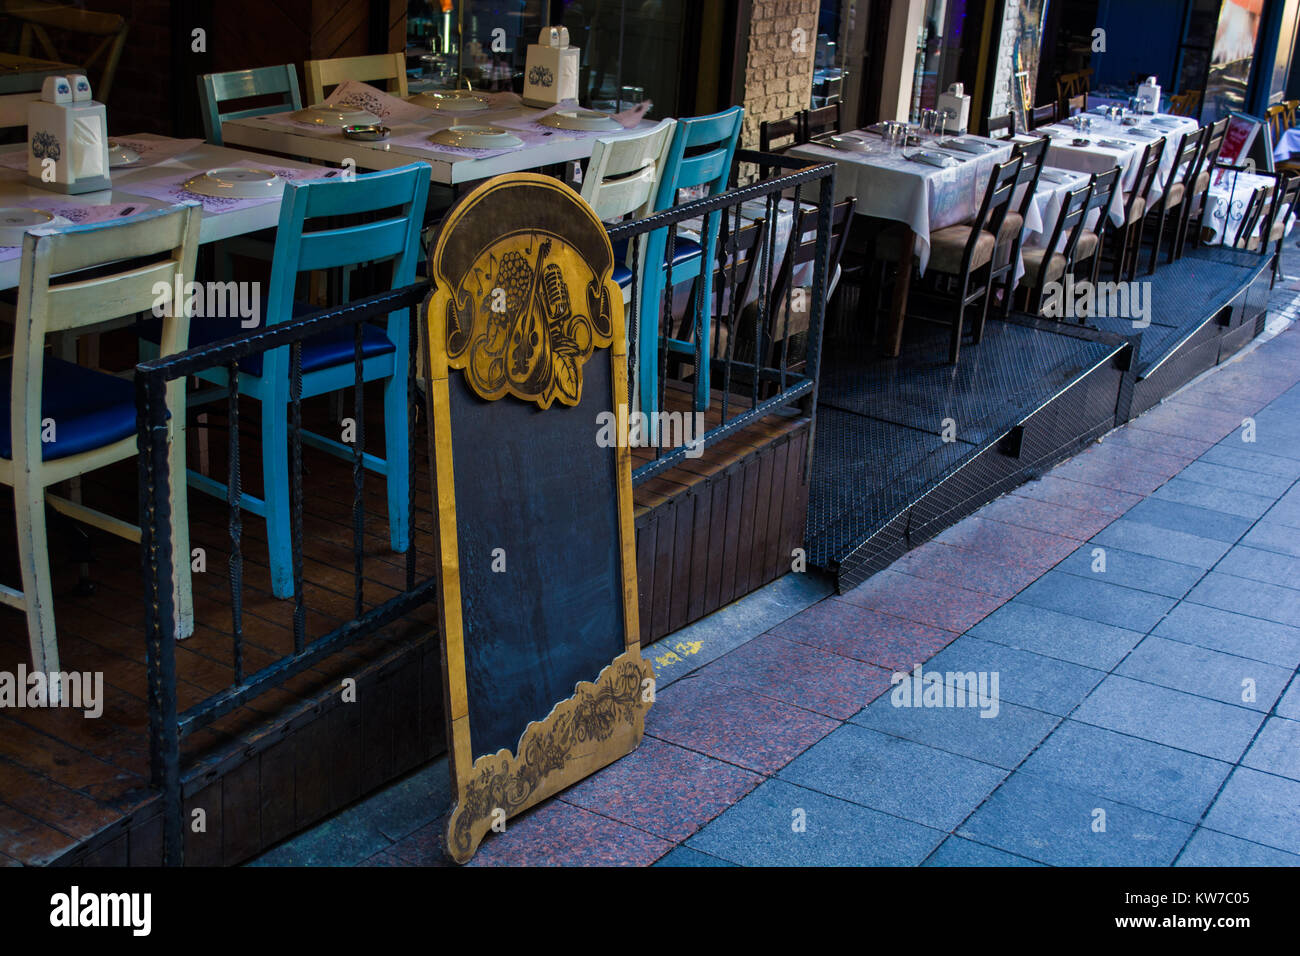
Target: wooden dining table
pixel 154 182
pixel 411 127
pixel 26 74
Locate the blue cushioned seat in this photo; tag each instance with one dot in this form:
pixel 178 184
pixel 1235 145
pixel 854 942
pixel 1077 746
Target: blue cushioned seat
pixel 684 250
pixel 89 409
pixel 325 350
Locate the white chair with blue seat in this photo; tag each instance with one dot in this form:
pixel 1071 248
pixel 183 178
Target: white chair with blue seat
pixel 64 420
pixel 396 199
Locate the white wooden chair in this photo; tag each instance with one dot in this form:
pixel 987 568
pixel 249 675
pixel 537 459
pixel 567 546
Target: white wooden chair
pixel 364 69
pixel 64 420
pixel 622 178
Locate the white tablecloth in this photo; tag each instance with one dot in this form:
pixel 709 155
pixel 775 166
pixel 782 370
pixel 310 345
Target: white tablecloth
pixel 1288 146
pixel 924 197
pixel 1225 204
pixel 1096 158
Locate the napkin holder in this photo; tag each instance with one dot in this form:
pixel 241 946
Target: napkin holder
pixel 551 73
pixel 1149 94
pixel 67 138
pixel 958 106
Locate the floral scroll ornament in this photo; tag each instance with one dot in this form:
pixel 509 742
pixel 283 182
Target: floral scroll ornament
pixel 46 146
pixel 540 76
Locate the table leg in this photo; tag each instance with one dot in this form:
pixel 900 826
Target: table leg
pixel 898 308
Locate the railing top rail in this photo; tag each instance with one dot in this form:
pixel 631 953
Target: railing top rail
pixel 723 200
pixel 223 352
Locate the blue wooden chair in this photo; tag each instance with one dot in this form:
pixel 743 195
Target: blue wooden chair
pixel 60 420
pixel 218 88
pixel 327 359
pixel 711 141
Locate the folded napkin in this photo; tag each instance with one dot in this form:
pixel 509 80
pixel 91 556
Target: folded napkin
pixel 363 96
pixel 933 159
pixel 966 146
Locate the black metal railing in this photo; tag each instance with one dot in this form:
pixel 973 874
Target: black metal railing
pixel 769 385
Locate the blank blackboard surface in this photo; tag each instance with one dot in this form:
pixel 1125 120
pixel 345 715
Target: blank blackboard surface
pixel 545 493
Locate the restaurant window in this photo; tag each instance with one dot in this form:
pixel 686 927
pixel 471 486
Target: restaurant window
pixel 828 67
pixel 942 49
pixel 631 49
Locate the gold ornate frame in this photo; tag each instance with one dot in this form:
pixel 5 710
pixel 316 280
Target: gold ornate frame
pixel 605 718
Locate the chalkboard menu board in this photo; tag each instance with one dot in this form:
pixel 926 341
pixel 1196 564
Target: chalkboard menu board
pixel 544 677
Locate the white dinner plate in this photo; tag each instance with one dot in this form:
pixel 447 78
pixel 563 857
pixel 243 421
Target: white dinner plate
pixel 476 137
pixel 119 155
pixel 581 120
pixel 449 101
pixel 17 220
pixel 236 182
pixel 340 116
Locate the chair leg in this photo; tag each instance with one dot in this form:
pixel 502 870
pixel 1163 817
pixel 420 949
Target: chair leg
pixel 275 492
pixel 1159 240
pixel 396 454
pixel 34 560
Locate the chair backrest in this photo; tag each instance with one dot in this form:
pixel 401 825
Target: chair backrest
pixel 1185 104
pixel 365 69
pixel 1076 104
pixel 1042 115
pixel 1250 218
pixel 623 175
pixel 700 155
pixel 1003 179
pixel 998 124
pixel 1031 166
pixel 80 276
pixel 1069 224
pixel 1281 208
pixel 821 122
pixel 738 254
pixel 267 81
pixel 1274 116
pixel 1147 169
pixel 803 245
pixel 1102 193
pixel 1186 162
pixel 1218 132
pixel 1290 111
pixel 38 18
pixel 771 132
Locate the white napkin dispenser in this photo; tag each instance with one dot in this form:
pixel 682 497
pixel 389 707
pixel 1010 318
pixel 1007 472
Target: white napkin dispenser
pixel 957 105
pixel 67 138
pixel 1149 95
pixel 551 73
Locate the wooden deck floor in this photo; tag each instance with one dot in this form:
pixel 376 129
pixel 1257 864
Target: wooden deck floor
pixel 65 778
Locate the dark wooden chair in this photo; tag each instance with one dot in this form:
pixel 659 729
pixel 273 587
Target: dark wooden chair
pixel 1181 176
pixel 1129 235
pixel 1209 168
pixel 962 257
pixel 1047 264
pixel 1002 274
pixel 1267 227
pixel 1044 115
pixel 776 136
pixel 821 122
pixel 1004 125
pixel 1092 240
pixel 784 337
